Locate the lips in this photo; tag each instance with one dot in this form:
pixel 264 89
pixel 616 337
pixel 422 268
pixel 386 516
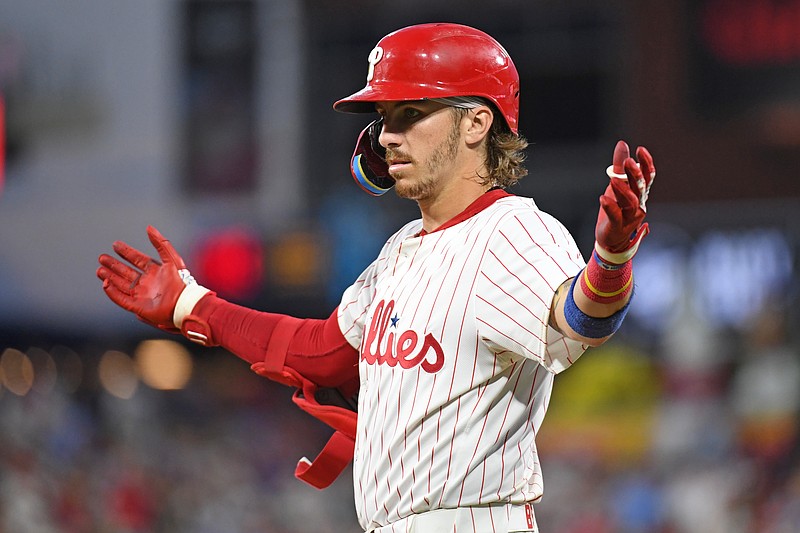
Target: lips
pixel 396 164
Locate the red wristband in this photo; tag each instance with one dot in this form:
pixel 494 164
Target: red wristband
pixel 606 285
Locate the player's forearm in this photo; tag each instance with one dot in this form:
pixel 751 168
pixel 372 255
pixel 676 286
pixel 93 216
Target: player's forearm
pixel 590 307
pixel 597 309
pixel 314 348
pixel 244 332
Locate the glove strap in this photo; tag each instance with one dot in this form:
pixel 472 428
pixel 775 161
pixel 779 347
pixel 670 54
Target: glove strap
pixel 197 330
pixel 330 462
pixel 620 258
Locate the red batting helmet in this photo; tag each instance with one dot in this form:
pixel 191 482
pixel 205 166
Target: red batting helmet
pixel 437 61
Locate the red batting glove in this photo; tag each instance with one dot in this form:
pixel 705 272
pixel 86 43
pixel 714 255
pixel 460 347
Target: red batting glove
pixel 150 289
pixel 620 222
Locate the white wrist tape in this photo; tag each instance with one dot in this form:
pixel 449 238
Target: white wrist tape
pixel 643 187
pixel 620 257
pixel 186 302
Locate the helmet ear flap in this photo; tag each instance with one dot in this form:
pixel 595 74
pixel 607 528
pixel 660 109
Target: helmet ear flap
pixel 368 164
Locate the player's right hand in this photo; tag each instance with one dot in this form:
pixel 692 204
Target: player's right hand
pixel 148 288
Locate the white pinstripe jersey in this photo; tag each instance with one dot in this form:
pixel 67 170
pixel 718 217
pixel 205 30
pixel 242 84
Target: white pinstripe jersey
pixel 457 360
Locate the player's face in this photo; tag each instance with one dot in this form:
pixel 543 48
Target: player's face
pixel 422 143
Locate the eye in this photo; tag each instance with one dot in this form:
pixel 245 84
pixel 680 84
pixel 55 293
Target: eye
pixel 411 112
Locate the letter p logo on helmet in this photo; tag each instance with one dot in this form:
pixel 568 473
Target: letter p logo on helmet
pixel 373 58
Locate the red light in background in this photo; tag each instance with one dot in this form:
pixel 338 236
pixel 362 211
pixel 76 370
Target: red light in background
pixel 230 262
pixel 752 32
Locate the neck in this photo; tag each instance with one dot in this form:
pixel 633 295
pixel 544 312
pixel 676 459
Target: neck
pixel 449 202
pixel 455 192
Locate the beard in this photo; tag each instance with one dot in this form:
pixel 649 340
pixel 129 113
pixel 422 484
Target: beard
pixel 425 186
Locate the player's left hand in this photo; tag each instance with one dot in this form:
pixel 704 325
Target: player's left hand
pixel 145 286
pixel 620 222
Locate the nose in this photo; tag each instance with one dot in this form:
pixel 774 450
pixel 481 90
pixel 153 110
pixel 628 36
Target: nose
pixel 389 136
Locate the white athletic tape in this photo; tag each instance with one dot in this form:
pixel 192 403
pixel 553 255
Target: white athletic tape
pixel 186 302
pixel 621 257
pixel 641 183
pixel 612 174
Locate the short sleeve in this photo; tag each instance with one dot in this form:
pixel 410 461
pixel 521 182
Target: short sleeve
pixel 527 260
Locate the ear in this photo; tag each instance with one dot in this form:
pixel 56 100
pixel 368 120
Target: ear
pixel 480 122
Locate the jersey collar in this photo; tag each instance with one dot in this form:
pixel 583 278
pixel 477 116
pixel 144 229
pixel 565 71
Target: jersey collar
pixel 480 203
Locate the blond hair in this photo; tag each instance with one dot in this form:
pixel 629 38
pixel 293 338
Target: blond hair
pixel 505 151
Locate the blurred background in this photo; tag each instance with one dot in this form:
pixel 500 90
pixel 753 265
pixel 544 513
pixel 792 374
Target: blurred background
pixel 212 121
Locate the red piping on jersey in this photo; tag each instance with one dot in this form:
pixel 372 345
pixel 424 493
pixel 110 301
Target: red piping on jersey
pixel 480 203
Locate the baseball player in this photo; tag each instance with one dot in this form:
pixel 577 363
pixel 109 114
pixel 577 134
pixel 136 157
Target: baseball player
pixel 437 366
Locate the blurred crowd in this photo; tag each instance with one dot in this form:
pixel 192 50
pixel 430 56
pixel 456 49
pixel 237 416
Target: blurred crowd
pixel 217 456
pixel 692 431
